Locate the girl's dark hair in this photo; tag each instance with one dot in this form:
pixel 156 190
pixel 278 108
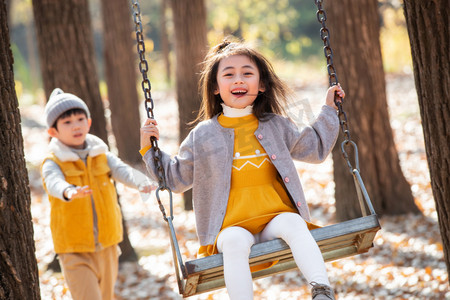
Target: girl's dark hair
pixel 272 100
pixel 68 113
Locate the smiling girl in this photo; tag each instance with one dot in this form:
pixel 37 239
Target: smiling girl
pixel 239 162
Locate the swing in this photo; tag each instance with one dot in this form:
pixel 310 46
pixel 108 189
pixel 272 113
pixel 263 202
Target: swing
pixel 335 241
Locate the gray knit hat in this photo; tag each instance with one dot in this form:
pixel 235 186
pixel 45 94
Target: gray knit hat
pixel 60 102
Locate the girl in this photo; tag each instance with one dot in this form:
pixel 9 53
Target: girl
pixel 238 161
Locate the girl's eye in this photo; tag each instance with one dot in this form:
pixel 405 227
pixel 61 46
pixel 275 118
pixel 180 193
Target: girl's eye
pixel 248 74
pixel 227 75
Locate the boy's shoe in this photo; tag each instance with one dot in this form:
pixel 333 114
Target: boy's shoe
pixel 321 292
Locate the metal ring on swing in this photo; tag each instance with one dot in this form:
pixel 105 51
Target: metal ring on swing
pixel 344 152
pixel 161 206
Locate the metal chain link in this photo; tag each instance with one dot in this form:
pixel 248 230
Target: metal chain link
pixel 149 105
pixel 333 80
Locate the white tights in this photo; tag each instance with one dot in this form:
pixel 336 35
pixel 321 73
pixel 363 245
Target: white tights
pixel 235 243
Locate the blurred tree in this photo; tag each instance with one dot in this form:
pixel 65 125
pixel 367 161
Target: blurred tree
pixel 165 46
pixel 19 277
pixel 120 73
pixel 121 79
pixel 66 54
pixel 190 47
pixel 357 58
pixel 429 35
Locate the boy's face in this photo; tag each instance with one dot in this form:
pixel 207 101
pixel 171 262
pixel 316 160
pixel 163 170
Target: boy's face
pixel 72 130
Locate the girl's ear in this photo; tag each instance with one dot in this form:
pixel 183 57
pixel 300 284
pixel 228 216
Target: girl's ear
pixel 216 91
pixel 262 88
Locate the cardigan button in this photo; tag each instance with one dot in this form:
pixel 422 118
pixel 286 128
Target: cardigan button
pixel 260 136
pixel 273 157
pixel 286 179
pixel 299 204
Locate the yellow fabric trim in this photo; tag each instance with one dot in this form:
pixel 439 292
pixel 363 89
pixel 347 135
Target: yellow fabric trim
pixel 145 149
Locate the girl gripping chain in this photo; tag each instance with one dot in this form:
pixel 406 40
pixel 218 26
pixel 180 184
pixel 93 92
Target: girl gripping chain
pixel 239 163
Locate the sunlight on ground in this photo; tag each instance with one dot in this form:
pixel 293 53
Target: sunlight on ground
pixel 406 262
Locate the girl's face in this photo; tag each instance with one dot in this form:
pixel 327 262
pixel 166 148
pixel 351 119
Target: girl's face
pixel 238 81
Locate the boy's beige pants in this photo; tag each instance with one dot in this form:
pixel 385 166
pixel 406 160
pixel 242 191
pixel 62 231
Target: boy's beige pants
pixel 91 276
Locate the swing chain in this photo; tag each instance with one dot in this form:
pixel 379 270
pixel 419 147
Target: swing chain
pixel 149 105
pixel 333 80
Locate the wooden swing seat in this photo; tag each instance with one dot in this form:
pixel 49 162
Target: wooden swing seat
pixel 335 241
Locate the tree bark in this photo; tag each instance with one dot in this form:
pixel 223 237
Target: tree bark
pixel 165 46
pixel 190 48
pixel 354 29
pixel 19 277
pixel 429 35
pixel 121 78
pixel 66 52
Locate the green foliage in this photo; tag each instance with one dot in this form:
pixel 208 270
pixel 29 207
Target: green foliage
pixel 394 41
pixel 286 28
pixel 21 71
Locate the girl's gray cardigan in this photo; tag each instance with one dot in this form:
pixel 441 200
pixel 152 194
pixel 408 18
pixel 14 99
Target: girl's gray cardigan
pixel 205 158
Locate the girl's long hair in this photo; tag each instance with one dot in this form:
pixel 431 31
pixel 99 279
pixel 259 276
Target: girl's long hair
pixel 272 100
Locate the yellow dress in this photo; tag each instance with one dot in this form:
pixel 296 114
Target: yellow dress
pixel 257 194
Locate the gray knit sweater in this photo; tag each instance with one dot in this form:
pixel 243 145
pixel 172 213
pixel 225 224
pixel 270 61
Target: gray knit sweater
pixel 204 163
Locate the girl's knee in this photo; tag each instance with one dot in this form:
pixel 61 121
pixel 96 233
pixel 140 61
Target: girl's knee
pixel 235 239
pixel 284 226
pixel 291 220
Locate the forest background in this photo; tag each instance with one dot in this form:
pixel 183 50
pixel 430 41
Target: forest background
pixel 289 38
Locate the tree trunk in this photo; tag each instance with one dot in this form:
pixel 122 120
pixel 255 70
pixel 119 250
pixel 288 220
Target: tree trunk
pixel 66 52
pixel 354 29
pixel 165 46
pixel 121 78
pixel 19 277
pixel 429 35
pixel 190 48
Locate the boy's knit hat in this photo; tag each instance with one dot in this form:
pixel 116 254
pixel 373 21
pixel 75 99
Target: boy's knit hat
pixel 60 102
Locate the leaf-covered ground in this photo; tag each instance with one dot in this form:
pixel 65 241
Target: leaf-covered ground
pixel 406 261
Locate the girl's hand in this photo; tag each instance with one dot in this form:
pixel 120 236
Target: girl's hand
pixel 330 95
pixel 148 130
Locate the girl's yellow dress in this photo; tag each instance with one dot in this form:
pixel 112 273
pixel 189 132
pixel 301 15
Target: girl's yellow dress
pixel 256 194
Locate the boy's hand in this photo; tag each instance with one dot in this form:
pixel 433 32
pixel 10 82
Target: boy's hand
pixel 147 189
pixel 77 192
pixel 148 130
pixel 330 95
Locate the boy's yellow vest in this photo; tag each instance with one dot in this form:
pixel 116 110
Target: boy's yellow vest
pixel 72 222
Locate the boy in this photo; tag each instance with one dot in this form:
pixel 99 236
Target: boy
pixel 86 221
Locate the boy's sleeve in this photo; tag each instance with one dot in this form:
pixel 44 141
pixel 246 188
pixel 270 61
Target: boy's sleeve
pixel 125 174
pixel 54 181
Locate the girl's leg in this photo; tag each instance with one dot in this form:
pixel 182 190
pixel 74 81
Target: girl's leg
pixel 293 230
pixel 235 244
